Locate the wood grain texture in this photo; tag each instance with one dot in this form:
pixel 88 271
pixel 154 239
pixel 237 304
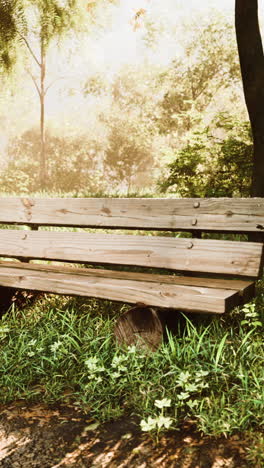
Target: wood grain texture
pixel 240 285
pixel 160 294
pixel 196 255
pixel 211 214
pixel 140 326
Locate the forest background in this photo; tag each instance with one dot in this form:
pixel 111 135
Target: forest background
pixel 139 97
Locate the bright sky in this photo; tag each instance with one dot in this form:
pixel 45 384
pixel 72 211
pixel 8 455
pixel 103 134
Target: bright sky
pixel 122 44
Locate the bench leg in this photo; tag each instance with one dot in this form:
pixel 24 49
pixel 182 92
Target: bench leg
pixel 140 326
pixel 6 299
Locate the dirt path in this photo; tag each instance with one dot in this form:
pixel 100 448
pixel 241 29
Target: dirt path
pixel 61 437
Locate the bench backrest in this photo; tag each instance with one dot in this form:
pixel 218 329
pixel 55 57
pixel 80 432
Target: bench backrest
pixel 206 214
pixel 196 255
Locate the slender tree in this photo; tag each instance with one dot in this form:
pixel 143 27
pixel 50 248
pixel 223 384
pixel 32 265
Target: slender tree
pixel 51 19
pixel 33 25
pixel 252 70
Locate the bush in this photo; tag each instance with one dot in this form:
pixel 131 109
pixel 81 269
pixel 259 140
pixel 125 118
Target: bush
pixel 73 163
pixel 216 161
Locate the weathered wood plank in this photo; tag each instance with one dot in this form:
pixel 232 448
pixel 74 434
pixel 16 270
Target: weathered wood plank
pixel 245 288
pixel 196 255
pixel 211 214
pixel 160 294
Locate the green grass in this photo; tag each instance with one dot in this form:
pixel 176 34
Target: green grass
pixel 211 371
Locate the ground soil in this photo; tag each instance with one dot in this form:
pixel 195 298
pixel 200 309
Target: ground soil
pixel 60 437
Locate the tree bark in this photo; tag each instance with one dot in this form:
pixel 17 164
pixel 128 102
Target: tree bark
pixel 251 58
pixel 43 162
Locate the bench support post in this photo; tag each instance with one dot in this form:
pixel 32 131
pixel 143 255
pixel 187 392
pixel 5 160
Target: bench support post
pixel 6 296
pixel 140 326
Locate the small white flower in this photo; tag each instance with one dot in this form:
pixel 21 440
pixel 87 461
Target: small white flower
pixel 183 395
pixel 55 346
pixel 184 377
pixel 192 403
pixel 148 425
pixel 201 373
pixel 92 364
pixel 118 360
pixel 192 387
pixel 32 342
pixel 163 422
pixel 165 403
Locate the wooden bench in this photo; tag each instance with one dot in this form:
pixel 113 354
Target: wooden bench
pixel 215 275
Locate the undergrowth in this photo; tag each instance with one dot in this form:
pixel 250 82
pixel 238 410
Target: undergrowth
pixel 210 371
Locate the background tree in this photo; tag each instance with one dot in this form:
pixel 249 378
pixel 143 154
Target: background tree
pixel 210 65
pixel 46 20
pixel 73 162
pixel 252 69
pixel 129 155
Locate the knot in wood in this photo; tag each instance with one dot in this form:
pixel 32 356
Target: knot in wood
pixel 190 245
pixel 259 226
pixel 229 213
pixel 196 204
pixel 28 203
pixel 194 222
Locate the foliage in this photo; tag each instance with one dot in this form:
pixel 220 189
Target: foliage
pixel 128 116
pixel 20 19
pixel 95 85
pixel 216 161
pixel 73 163
pixel 192 84
pixel 255 449
pixel 11 20
pixel 211 372
pixel 129 153
pixel 56 18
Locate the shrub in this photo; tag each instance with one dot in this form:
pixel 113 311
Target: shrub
pixel 215 162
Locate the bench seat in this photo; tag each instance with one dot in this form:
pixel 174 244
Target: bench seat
pixel 187 293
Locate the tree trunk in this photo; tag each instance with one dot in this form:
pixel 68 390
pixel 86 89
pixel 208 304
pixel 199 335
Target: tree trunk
pixel 43 162
pixel 251 58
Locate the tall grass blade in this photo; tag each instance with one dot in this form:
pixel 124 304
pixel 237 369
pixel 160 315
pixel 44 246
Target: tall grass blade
pixel 220 350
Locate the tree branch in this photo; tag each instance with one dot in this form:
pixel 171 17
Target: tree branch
pixel 34 81
pixel 30 50
pixel 50 84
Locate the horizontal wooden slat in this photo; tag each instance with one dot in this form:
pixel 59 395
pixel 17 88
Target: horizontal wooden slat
pixel 197 255
pixel 245 288
pixel 211 214
pixel 110 285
